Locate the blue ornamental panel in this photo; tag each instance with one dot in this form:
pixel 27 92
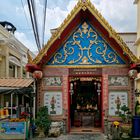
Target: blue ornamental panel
pixel 85 47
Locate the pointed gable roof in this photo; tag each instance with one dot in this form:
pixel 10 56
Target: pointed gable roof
pixel 84 9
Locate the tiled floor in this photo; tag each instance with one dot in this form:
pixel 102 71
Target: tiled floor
pixel 85 129
pixel 76 137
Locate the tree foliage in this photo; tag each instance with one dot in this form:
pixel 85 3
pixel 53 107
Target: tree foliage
pixel 43 120
pixel 126 114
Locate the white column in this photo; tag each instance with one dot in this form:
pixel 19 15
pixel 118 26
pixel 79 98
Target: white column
pixel 17 101
pixel 27 74
pixel 138 19
pixel 7 62
pixel 22 99
pixel 138 28
pixel 11 104
pixel 16 71
pixel 137 43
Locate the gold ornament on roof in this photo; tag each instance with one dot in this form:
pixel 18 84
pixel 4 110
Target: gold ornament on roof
pixel 30 61
pixel 85 60
pixel 85 27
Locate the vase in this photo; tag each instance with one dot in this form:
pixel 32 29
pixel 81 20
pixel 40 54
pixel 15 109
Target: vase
pixel 126 130
pixel 41 133
pixel 138 110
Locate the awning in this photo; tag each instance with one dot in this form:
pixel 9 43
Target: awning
pixel 15 82
pixel 16 85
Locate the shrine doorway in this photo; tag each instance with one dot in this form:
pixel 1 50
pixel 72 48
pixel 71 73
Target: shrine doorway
pixel 85 102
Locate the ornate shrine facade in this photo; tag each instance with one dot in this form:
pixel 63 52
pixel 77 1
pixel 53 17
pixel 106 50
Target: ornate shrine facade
pixel 85 68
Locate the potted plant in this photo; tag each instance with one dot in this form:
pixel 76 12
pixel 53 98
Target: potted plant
pixel 115 130
pixel 126 117
pixel 125 114
pixel 43 121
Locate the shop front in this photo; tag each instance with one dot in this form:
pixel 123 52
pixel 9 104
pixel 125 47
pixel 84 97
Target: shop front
pixel 16 107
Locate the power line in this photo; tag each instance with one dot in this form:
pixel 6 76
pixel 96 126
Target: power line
pixel 25 13
pixel 44 19
pixel 34 22
pixel 31 16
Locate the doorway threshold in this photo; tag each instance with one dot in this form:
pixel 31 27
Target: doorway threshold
pixel 85 130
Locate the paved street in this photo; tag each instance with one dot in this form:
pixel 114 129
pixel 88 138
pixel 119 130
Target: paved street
pixel 75 137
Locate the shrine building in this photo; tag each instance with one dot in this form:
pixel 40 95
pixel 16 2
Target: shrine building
pixel 84 69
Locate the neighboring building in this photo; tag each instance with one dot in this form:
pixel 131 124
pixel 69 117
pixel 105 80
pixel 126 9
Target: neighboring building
pixel 15 82
pixel 129 38
pixel 13 55
pixel 137 42
pixel 85 67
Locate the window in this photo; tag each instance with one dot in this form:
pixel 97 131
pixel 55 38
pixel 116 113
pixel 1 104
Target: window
pixel 11 70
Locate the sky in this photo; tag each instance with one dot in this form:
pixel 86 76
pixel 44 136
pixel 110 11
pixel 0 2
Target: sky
pixel 121 15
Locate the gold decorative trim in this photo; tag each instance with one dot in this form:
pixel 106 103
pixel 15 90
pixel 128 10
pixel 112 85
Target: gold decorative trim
pixel 100 49
pixel 30 60
pixel 87 66
pixel 137 41
pixel 112 32
pixel 86 4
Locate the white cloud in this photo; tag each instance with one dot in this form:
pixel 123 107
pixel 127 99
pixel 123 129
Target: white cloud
pixel 55 16
pixel 71 5
pixel 24 11
pixel 24 39
pixel 121 14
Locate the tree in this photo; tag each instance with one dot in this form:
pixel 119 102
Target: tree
pixel 43 120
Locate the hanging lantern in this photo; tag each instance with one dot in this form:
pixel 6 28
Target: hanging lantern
pixel 71 86
pixel 37 74
pixel 132 73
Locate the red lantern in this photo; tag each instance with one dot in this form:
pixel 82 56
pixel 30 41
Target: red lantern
pixel 37 74
pixel 132 73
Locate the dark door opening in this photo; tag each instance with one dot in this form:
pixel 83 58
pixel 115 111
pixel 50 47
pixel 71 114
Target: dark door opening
pixel 85 104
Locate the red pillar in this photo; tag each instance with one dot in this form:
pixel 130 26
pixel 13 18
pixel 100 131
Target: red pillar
pixel 104 97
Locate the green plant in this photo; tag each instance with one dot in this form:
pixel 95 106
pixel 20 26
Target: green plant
pixel 125 114
pixel 43 120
